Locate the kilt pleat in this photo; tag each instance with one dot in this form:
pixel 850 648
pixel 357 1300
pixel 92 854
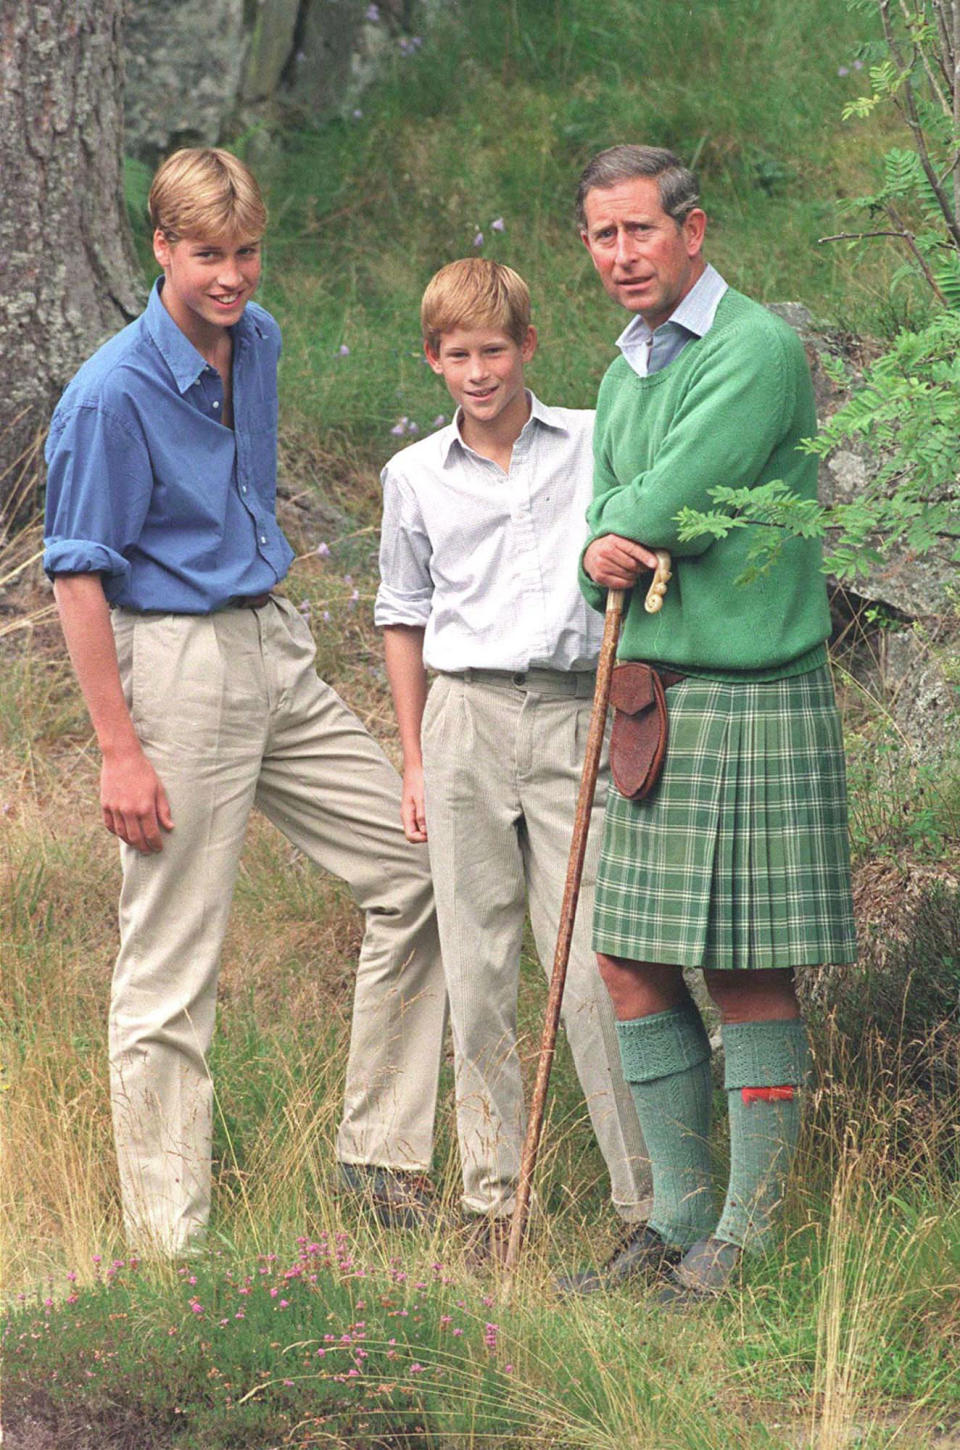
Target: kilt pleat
pixel 739 858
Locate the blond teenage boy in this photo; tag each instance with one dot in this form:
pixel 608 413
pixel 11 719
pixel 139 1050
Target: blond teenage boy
pixel 481 535
pixel 165 551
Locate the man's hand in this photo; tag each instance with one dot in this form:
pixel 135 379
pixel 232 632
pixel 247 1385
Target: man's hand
pixel 411 806
pixel 133 801
pixel 617 563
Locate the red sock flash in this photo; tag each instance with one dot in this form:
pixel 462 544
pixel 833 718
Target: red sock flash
pixel 786 1093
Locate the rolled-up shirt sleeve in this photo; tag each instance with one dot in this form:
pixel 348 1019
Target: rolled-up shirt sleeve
pixel 406 584
pixel 99 485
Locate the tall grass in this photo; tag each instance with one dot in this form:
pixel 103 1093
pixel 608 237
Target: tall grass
pixel 851 1322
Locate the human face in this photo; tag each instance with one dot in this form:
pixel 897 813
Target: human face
pixel 483 370
pixel 647 262
pixel 208 281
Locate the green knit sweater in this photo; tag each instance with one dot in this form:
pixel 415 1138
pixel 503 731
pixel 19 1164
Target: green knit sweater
pixel 731 410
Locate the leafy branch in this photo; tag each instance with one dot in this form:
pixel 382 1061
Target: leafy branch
pixel 908 409
pixel 917 71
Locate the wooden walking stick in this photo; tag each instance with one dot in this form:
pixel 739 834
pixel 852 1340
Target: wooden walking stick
pixel 571 894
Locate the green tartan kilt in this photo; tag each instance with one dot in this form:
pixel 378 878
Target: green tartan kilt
pixel 739 857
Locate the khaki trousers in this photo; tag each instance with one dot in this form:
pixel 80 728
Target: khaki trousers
pixel 502 765
pixel 230 711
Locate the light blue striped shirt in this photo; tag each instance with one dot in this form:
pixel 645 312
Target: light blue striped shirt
pixel 648 352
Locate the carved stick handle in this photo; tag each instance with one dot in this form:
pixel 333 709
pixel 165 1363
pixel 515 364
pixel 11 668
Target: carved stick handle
pixel 658 586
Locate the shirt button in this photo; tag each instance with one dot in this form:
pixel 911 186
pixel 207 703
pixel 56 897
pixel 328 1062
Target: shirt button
pixel 243 488
pixel 216 405
pixel 263 538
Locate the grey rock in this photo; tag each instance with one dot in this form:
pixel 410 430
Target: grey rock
pixel 196 72
pixel 184 63
pixel 913 588
pixel 924 699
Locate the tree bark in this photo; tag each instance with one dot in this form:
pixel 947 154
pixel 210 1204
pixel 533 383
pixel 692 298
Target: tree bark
pixel 68 274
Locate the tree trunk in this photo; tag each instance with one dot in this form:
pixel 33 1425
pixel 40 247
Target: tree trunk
pixel 68 274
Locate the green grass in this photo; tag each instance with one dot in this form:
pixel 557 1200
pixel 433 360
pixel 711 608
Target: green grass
pixel 494 118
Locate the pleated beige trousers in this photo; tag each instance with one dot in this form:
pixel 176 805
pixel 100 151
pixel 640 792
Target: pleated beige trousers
pixel 230 711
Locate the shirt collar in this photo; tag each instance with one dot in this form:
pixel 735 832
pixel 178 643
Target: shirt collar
pixel 540 415
pixel 185 362
pixel 695 312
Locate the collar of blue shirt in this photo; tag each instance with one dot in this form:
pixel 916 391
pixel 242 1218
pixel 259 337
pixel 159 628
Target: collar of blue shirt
pixel 648 352
pixel 185 362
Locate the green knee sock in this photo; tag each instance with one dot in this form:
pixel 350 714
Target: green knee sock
pixel 765 1065
pixel 666 1061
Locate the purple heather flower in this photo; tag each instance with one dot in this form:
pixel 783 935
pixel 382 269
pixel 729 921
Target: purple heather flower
pixel 499 225
pixel 843 70
pixel 373 13
pixel 478 240
pixel 400 427
pixel 323 550
pixel 858 65
pixel 357 113
pixel 343 350
pixel 439 420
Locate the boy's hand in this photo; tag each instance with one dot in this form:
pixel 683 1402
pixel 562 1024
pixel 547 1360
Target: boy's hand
pixel 411 805
pixel 616 563
pixel 133 802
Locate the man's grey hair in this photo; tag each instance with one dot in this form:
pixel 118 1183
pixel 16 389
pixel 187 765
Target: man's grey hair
pixel 678 187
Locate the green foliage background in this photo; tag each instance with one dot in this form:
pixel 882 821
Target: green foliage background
pixel 494 117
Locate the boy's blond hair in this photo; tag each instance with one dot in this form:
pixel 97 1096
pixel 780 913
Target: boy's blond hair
pixel 474 292
pixel 203 191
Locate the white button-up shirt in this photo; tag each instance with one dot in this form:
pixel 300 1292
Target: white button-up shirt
pixel 486 561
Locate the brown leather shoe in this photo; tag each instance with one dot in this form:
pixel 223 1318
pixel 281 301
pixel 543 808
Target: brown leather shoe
pixel 486 1241
pixel 641 1254
pixel 398 1198
pixel 703 1273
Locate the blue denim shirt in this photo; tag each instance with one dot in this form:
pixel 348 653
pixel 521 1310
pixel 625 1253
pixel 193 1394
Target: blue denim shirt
pixel 146 486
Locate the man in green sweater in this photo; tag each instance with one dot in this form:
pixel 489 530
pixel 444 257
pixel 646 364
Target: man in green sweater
pixel 737 862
